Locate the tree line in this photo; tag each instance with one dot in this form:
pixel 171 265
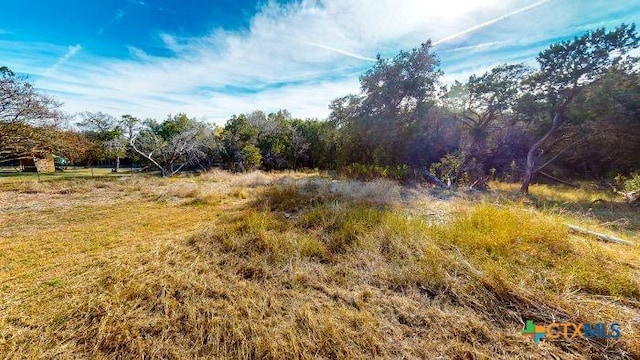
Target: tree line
pixel 576 114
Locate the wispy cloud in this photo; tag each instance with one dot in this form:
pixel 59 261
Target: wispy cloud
pixel 138 2
pixel 119 15
pixel 298 56
pixel 71 52
pixel 490 22
pixel 139 54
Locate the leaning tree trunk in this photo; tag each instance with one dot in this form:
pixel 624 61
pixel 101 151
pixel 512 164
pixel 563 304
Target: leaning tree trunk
pixel 132 142
pixel 433 178
pixel 530 167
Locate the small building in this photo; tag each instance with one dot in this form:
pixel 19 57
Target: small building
pixel 33 164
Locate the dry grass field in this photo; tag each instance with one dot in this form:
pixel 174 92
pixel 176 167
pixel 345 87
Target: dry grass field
pixel 298 265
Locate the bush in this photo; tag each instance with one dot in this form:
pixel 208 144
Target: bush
pixel 252 157
pixel 449 168
pixel 362 172
pixel 633 184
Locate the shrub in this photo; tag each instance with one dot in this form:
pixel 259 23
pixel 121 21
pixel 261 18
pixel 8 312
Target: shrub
pixel 364 172
pixel 449 168
pixel 252 157
pixel 633 184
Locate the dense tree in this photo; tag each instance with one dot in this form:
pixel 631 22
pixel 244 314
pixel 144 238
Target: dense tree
pixel 237 135
pixel 606 117
pixel 355 142
pixel 508 121
pixel 566 68
pixel 483 108
pixel 172 144
pixel 397 95
pixel 106 135
pixel 379 125
pixel 321 137
pixel 73 146
pixel 273 140
pixel 484 100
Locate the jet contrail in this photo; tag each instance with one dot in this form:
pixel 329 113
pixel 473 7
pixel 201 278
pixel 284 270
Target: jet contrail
pixel 71 52
pixel 492 21
pixel 340 51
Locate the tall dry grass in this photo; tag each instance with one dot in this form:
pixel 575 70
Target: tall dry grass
pixel 300 266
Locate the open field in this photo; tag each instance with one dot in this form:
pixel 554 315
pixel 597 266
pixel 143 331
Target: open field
pixel 296 265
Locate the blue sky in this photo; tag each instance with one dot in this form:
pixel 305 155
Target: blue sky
pixel 212 59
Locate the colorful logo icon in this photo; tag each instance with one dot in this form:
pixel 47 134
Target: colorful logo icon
pixel 535 332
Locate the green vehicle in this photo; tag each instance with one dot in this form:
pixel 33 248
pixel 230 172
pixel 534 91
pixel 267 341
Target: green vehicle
pixel 60 163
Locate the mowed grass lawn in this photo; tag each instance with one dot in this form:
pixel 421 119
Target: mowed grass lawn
pixel 299 265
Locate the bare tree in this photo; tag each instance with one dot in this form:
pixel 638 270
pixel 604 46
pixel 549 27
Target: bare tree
pixel 21 103
pixel 299 146
pixel 26 117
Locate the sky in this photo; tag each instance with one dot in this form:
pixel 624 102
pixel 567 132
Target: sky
pixel 214 58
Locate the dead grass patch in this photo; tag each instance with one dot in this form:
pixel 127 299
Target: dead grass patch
pixel 297 266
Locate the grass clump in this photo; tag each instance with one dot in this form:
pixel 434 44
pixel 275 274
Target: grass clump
pixel 341 226
pixel 524 246
pixel 495 233
pixel 263 236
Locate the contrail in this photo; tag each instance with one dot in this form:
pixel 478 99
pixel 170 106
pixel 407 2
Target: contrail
pixel 340 51
pixel 492 21
pixel 71 52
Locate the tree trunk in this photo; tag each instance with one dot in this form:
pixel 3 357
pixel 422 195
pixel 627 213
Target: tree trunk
pixel 432 178
pixel 530 167
pixel 117 167
pixel 132 142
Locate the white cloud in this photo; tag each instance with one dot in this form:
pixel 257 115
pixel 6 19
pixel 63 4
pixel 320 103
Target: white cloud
pixel 71 52
pixel 139 54
pixel 297 57
pixel 489 22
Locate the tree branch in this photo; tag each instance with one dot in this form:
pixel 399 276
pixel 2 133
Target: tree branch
pixel 558 154
pixel 148 157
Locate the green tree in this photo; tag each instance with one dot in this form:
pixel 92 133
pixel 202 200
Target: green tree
pixel 172 144
pixel 237 134
pixel 273 140
pixel 483 107
pixel 355 141
pixel 606 117
pixel 483 100
pixel 390 122
pixel 106 135
pixel 397 94
pixel 250 157
pixel 565 69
